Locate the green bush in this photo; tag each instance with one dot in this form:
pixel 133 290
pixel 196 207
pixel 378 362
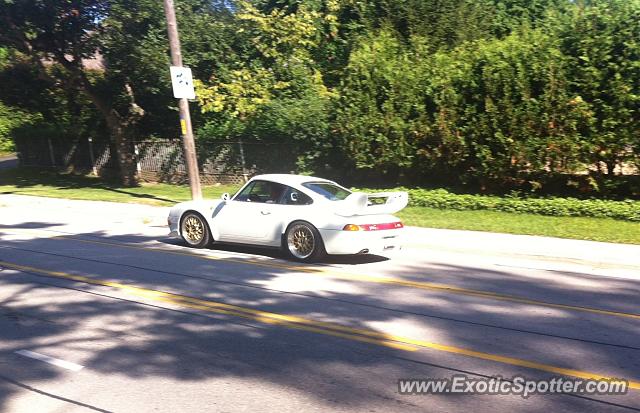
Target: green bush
pixel 560 207
pixel 11 119
pixel 6 145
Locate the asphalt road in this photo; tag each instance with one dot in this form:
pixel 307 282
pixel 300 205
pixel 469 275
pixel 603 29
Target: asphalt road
pixel 132 321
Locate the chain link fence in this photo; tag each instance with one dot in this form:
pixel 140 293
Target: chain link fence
pixel 226 162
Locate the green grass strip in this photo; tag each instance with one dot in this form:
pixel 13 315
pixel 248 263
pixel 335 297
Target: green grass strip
pixel 584 228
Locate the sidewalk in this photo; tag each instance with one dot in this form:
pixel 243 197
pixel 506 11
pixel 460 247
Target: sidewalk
pixel 598 258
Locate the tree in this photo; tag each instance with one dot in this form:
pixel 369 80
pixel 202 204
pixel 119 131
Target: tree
pixel 271 90
pixel 381 116
pixel 67 33
pixel 512 108
pixel 602 40
pixel 125 39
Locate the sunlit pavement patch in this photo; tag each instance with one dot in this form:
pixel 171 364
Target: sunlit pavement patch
pixel 50 360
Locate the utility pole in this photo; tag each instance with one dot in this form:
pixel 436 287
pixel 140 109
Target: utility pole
pixel 183 104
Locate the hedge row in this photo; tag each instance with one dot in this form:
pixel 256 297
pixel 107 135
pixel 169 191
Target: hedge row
pixel 562 207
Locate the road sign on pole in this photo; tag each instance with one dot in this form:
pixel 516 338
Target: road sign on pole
pixel 182 82
pixel 185 84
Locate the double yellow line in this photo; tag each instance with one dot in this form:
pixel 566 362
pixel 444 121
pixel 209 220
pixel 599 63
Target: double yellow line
pixel 351 276
pixel 367 336
pixel 300 323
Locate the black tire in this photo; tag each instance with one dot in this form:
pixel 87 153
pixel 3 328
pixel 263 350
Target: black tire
pixel 194 230
pixel 302 242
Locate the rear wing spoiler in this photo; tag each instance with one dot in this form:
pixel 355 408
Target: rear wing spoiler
pixel 379 203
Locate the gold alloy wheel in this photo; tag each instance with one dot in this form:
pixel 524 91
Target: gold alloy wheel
pixel 193 229
pixel 301 241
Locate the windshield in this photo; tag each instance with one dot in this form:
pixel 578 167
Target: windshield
pixel 328 190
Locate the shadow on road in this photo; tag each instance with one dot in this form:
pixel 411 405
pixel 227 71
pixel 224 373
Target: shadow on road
pixel 31 225
pixel 280 254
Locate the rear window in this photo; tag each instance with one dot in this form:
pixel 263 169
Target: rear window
pixel 328 190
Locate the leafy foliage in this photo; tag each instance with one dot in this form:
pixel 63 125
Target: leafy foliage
pixel 492 94
pixel 602 43
pixel 8 121
pixel 377 118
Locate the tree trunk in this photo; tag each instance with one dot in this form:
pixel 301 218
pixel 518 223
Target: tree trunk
pixel 611 166
pixel 119 131
pixel 124 152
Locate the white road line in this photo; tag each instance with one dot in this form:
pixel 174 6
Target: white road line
pixel 56 362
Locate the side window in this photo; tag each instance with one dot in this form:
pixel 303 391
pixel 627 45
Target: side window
pixel 274 193
pixel 294 197
pixel 263 192
pixel 244 195
pixel 259 192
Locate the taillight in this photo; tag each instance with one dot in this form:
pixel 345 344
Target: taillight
pixel 373 227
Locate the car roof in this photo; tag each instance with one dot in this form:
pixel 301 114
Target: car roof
pixel 289 179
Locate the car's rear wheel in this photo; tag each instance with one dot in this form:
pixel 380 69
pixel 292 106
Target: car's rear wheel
pixel 194 230
pixel 303 242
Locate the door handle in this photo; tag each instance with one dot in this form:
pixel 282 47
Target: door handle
pixel 265 212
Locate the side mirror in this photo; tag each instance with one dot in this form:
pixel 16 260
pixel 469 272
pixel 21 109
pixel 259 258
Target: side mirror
pixel 225 196
pixel 294 197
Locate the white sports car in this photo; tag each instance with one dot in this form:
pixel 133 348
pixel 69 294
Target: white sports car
pixel 307 217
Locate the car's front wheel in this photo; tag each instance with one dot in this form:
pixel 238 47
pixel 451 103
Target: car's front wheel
pixel 194 230
pixel 302 242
